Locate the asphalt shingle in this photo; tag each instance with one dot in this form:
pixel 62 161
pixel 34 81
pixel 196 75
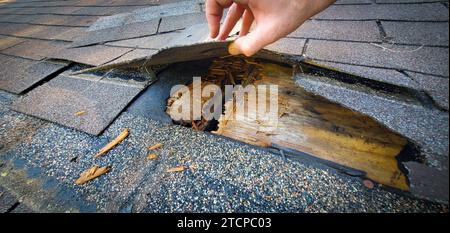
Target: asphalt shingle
pixel 412 12
pixel 339 30
pixel 378 74
pixel 8 41
pixel 436 87
pixel 147 14
pixel 117 33
pixel 35 49
pixel 287 46
pixel 173 23
pixel 431 60
pixel 61 98
pixel 65 20
pixel 148 42
pixel 18 74
pixel 413 121
pixel 36 31
pixel 422 33
pixel 132 55
pixel 92 55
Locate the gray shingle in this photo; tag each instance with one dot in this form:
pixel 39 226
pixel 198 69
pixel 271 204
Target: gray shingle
pixel 413 12
pixel 383 75
pixel 173 23
pixel 436 87
pixel 350 2
pixel 417 32
pixel 118 33
pixel 147 14
pixel 148 42
pixel 18 74
pixel 59 99
pixel 37 31
pixel 7 41
pixel 64 20
pixel 7 200
pixel 18 18
pixel 135 54
pixel 48 10
pixel 427 182
pixel 413 121
pixel 403 1
pixel 70 34
pixel 35 49
pixel 339 30
pixel 431 60
pixel 92 55
pixel 287 46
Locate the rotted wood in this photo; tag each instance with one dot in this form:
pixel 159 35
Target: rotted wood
pixel 316 126
pixel 311 124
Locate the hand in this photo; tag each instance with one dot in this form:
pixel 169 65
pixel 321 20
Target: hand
pixel 274 19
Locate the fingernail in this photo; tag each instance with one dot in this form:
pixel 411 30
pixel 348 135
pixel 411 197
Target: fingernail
pixel 233 49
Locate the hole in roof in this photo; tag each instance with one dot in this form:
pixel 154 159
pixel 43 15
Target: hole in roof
pixel 307 124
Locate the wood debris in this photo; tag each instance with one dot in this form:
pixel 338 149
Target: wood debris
pixel 152 156
pixel 368 184
pixel 176 169
pixel 80 113
pixel 193 167
pixel 113 143
pixel 156 146
pixel 91 174
pixel 222 72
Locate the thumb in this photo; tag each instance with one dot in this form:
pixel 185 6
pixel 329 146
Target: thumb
pixel 253 42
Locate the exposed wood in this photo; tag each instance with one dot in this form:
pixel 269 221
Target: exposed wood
pixel 113 143
pixel 176 169
pixel 156 146
pixel 152 157
pixel 229 71
pixel 307 123
pixel 80 113
pixel 91 174
pixel 316 126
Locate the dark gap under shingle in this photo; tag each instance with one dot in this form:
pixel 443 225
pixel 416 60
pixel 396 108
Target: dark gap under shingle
pixel 382 67
pixel 425 98
pixel 13 207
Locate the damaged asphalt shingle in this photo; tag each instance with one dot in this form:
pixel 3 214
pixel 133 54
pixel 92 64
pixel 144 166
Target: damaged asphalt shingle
pixel 331 46
pixel 431 60
pixel 18 74
pixel 428 128
pixel 436 87
pixel 378 74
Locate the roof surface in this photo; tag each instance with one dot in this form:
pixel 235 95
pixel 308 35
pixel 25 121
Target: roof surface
pixel 400 44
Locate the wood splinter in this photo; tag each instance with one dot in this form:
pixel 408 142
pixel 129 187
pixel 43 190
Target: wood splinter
pixel 176 169
pixel 152 156
pixel 113 143
pixel 92 173
pixel 80 113
pixel 156 146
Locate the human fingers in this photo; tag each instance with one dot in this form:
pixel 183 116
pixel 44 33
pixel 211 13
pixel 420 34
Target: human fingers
pixel 247 21
pixel 234 14
pixel 254 41
pixel 214 13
